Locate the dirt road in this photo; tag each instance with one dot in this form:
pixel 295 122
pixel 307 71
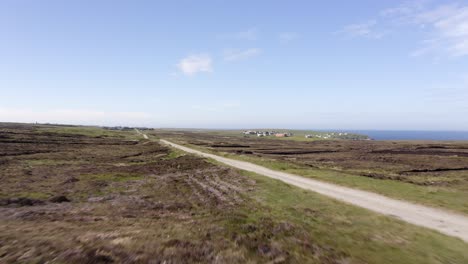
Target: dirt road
pixel 143 135
pixel 445 222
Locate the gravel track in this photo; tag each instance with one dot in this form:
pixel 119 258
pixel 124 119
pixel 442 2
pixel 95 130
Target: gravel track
pixel 448 223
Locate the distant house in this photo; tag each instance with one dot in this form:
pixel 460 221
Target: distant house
pixel 281 135
pixel 308 136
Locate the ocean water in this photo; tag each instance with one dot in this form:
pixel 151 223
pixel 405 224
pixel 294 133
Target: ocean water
pixel 413 135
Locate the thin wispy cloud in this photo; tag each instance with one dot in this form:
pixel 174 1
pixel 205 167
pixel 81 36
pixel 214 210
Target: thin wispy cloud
pixel 445 26
pixel 249 34
pixel 405 9
pixel 286 37
pixel 450 25
pixel 196 63
pixel 236 55
pixel 365 29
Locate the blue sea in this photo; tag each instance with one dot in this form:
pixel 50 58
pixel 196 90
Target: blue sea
pixel 413 135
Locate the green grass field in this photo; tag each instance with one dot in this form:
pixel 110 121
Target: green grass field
pixel 367 236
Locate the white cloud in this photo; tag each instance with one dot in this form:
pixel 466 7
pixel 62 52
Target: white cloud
pixel 366 29
pixel 74 116
pixel 446 26
pixel 287 37
pixel 196 63
pixel 453 28
pixel 405 9
pixel 236 55
pixel 249 34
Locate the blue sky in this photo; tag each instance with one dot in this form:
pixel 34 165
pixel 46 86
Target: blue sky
pixel 236 64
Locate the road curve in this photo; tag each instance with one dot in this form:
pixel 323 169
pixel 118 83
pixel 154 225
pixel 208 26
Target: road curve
pixel 139 133
pixel 448 223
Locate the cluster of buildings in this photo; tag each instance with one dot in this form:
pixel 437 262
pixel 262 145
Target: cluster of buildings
pixel 125 128
pixel 312 135
pixel 267 133
pixel 328 135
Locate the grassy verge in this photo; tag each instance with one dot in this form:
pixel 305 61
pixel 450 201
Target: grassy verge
pixel 365 236
pixel 451 199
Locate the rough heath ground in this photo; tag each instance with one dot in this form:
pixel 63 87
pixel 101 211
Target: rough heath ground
pixel 434 173
pixel 88 195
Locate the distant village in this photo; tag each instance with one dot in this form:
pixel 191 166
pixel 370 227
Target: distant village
pixel 343 135
pixel 316 135
pixel 125 128
pixel 267 133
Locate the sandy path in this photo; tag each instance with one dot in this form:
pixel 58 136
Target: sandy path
pixel 451 224
pixel 139 132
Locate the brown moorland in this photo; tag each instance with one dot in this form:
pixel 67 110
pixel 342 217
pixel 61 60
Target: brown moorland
pixel 89 195
pixel 70 197
pixel 428 163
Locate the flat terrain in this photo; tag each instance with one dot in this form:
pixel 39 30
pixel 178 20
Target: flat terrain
pixel 421 163
pixel 429 172
pixel 448 223
pixel 88 195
